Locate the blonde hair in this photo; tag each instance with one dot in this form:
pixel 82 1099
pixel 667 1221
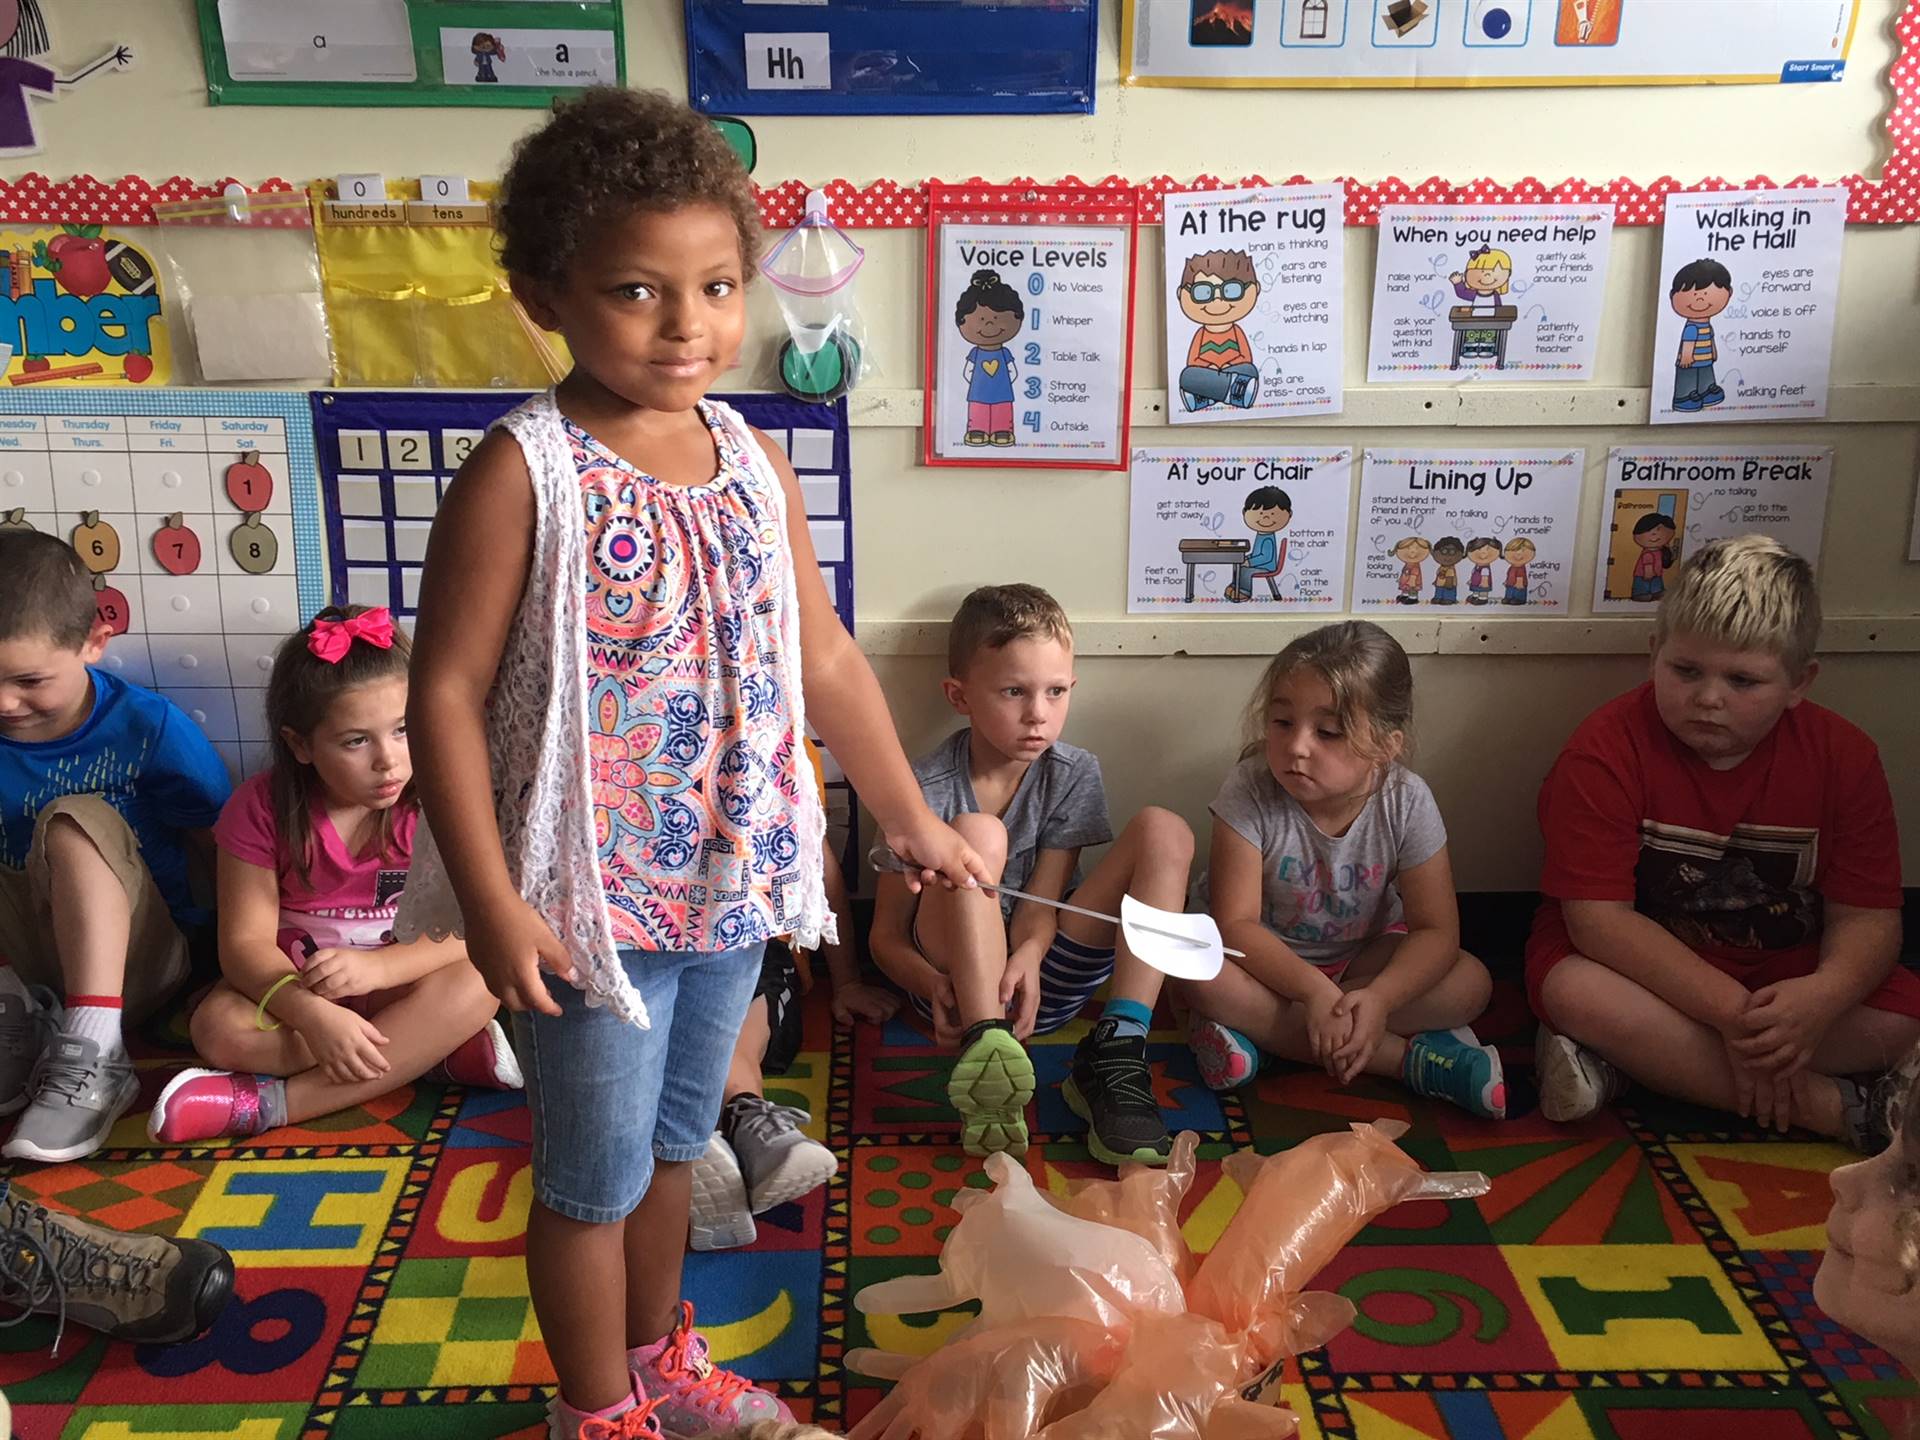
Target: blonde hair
pixel 1368 673
pixel 997 615
pixel 1748 593
pixel 779 1430
pixel 1493 260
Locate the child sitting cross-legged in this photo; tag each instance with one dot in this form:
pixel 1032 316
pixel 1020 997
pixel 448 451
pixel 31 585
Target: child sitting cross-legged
pixel 313 857
pixel 989 970
pixel 1722 920
pixel 1330 871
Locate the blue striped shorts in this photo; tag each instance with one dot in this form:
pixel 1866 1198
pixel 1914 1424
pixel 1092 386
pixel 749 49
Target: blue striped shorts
pixel 1069 974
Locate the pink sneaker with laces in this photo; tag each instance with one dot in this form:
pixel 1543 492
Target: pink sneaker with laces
pixel 206 1104
pixel 637 1423
pixel 485 1062
pixel 694 1398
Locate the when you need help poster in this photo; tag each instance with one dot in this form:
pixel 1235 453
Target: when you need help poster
pixel 80 306
pixel 1441 529
pixel 1662 504
pixel 1030 343
pixel 1255 287
pixel 1749 286
pixel 1227 530
pixel 1489 292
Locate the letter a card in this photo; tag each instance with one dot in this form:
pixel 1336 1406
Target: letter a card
pixel 1467 531
pixel 1029 325
pixel 1749 286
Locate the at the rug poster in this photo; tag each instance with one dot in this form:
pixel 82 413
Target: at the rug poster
pixel 1255 289
pixel 1749 284
pixel 1031 340
pixel 1441 529
pixel 1489 292
pixel 1663 504
pixel 1222 530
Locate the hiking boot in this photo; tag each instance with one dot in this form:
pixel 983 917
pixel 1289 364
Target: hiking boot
pixel 144 1288
pixel 1574 1082
pixel 29 1019
pixel 1225 1057
pixel 990 1086
pixel 77 1095
pixel 208 1104
pixel 1111 1088
pixel 719 1217
pixel 1454 1065
pixel 486 1062
pixel 692 1398
pixel 780 1163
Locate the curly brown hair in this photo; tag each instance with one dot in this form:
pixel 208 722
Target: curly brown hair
pixel 601 157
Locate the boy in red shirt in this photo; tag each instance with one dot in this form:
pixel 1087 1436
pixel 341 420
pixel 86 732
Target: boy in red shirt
pixel 1722 920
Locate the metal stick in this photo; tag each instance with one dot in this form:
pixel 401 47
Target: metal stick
pixel 1111 919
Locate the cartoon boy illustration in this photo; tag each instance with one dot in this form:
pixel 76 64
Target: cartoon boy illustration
pixel 1519 552
pixel 23 37
pixel 989 313
pixel 1218 290
pixel 1700 291
pixel 486 49
pixel 1654 535
pixel 1410 552
pixel 1448 552
pixel 1483 286
pixel 1266 512
pixel 1482 550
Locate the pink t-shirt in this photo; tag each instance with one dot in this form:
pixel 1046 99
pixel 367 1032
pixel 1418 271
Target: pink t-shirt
pixel 349 900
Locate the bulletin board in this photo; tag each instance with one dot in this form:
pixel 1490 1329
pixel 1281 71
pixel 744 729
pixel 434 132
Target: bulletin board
pixel 198 512
pixel 409 52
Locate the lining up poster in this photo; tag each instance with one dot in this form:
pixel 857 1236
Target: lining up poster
pixel 1029 330
pixel 1749 287
pixel 1441 529
pixel 1489 292
pixel 1255 287
pixel 1339 44
pixel 1230 530
pixel 1662 504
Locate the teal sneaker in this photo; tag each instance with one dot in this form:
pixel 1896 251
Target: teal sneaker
pixel 1454 1065
pixel 1226 1058
pixel 992 1082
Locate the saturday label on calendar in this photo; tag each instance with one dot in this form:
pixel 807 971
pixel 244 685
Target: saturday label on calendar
pixel 1030 338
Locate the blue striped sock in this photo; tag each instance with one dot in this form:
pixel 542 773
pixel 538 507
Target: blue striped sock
pixel 1130 1017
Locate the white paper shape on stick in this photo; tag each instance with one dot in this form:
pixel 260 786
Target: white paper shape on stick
pixel 1187 947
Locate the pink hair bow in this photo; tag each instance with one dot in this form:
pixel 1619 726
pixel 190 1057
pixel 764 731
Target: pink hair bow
pixel 331 639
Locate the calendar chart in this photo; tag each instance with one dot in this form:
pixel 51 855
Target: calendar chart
pixel 198 514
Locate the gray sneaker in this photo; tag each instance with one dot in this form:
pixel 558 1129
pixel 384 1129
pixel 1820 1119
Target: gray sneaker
pixel 145 1288
pixel 718 1218
pixel 77 1095
pixel 780 1164
pixel 27 1023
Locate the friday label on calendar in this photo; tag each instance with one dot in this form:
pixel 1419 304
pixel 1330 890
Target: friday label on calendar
pixel 1030 343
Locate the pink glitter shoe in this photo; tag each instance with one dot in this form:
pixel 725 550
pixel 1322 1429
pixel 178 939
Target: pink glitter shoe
pixel 206 1104
pixel 694 1397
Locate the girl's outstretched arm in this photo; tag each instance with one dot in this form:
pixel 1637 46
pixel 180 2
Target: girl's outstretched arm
pixel 847 708
pixel 477 562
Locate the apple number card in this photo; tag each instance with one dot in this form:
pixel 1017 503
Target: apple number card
pixel 1029 325
pixel 197 511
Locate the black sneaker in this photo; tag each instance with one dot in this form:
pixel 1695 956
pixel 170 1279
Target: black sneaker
pixel 1111 1088
pixel 143 1288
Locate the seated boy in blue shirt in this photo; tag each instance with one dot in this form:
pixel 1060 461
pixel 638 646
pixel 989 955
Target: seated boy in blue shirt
pixel 102 786
pixel 989 971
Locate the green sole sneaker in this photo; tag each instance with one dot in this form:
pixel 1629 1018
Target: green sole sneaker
pixel 990 1086
pixel 1098 1148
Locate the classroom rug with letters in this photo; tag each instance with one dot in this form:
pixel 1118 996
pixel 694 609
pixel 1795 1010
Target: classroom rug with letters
pixel 1645 1274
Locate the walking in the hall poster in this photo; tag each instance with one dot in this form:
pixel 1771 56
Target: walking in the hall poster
pixel 1029 326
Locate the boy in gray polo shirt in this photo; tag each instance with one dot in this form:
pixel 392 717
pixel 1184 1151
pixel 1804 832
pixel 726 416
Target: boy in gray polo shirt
pixel 987 971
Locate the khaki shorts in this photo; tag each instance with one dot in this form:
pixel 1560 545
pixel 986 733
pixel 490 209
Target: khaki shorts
pixel 156 950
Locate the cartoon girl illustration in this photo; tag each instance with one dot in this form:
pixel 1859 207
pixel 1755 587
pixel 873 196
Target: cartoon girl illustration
pixel 1483 286
pixel 1653 534
pixel 486 49
pixel 1520 552
pixel 1411 553
pixel 23 36
pixel 989 314
pixel 1448 552
pixel 1482 550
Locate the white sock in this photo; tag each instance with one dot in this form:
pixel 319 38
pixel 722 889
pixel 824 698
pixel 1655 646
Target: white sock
pixel 98 1023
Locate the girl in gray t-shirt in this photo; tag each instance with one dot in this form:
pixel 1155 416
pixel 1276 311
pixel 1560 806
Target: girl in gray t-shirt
pixel 1330 871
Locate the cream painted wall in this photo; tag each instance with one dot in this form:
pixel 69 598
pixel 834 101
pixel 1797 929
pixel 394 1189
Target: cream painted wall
pixel 1160 702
